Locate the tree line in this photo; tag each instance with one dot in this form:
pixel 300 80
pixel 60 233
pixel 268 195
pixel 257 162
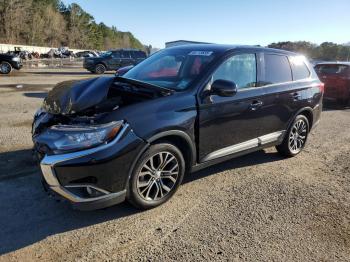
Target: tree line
pixel 326 51
pixel 52 23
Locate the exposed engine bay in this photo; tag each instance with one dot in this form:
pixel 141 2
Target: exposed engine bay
pixel 82 104
pixel 76 102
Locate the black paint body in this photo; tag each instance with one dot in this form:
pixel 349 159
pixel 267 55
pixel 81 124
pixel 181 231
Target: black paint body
pixel 8 58
pixel 117 59
pixel 197 122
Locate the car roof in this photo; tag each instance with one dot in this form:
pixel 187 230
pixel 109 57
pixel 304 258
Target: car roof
pixel 224 48
pixel 125 49
pixel 7 55
pixel 334 63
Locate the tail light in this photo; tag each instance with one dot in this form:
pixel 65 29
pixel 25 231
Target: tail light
pixel 321 87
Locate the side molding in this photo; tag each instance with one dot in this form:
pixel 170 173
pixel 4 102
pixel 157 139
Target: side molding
pixel 250 144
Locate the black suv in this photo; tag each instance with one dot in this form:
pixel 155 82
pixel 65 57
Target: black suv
pixel 8 62
pixel 113 60
pixel 103 140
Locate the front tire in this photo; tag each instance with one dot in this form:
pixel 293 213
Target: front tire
pixel 100 69
pixel 156 176
pixel 296 137
pixel 5 68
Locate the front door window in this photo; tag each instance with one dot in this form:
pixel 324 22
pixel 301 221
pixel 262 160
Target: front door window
pixel 240 69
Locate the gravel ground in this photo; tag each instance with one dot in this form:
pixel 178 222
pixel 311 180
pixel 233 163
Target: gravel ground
pixel 259 207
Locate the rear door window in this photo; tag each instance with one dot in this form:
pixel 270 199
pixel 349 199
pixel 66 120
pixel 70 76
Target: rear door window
pixel 276 69
pixel 299 68
pixel 125 54
pixel 116 54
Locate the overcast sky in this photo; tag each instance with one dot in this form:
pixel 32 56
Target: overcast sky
pixel 231 22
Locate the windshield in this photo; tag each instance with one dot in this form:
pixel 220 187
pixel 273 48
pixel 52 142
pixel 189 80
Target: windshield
pixel 172 68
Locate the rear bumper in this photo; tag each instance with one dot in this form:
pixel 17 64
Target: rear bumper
pixel 338 93
pixel 94 178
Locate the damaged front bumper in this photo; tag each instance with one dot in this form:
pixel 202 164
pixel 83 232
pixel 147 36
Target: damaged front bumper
pixel 93 178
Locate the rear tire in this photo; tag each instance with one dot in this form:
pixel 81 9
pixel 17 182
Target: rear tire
pixel 100 69
pixel 295 138
pixel 5 68
pixel 156 176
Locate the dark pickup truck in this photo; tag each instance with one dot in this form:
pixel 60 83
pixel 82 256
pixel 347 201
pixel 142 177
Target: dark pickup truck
pixel 8 62
pixel 113 60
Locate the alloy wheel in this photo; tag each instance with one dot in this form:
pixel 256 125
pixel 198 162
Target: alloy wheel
pixel 100 69
pixel 297 136
pixel 158 176
pixel 5 68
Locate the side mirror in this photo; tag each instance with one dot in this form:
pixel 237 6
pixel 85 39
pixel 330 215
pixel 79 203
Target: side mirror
pixel 123 70
pixel 223 88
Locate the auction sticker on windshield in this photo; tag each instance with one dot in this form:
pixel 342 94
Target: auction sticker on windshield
pixel 201 53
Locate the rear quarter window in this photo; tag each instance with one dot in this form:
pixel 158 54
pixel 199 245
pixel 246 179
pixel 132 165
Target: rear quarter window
pixel 299 68
pixel 276 70
pixel 139 54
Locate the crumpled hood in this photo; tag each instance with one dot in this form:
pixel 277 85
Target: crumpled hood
pixel 70 97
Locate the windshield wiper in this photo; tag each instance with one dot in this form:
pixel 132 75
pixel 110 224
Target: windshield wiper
pixel 161 89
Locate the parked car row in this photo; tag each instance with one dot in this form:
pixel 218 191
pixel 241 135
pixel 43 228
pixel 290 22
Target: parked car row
pixel 95 62
pixel 62 52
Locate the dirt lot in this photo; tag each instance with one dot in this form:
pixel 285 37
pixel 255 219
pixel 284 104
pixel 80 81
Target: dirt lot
pixel 260 207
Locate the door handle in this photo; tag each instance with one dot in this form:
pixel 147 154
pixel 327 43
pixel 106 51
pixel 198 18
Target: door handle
pixel 255 105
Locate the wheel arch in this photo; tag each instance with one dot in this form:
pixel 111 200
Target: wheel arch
pixel 101 63
pixel 307 112
pixel 177 137
pixel 181 140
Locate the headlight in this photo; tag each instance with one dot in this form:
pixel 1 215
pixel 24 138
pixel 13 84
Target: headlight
pixel 16 59
pixel 78 137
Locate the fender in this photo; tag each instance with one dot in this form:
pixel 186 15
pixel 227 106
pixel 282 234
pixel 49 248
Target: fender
pixel 180 134
pixel 307 108
pixel 102 63
pixel 148 142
